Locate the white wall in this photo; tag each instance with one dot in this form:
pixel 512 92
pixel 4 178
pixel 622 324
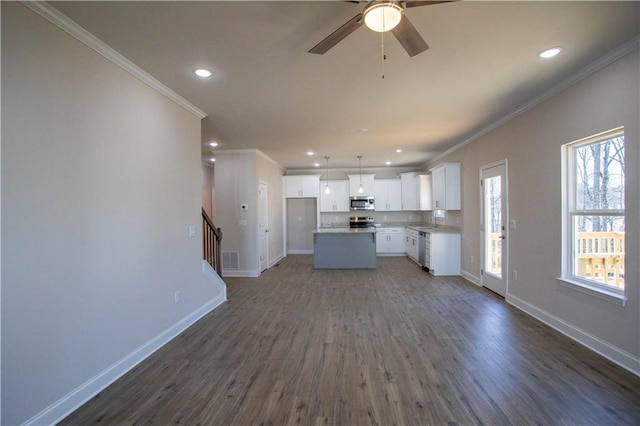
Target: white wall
pixel 270 172
pixel 208 189
pixel 531 144
pixel 100 182
pixel 237 174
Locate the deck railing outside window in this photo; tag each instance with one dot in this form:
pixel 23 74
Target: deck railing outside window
pixel 600 257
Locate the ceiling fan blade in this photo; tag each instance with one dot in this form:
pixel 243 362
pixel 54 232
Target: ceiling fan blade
pixel 338 35
pixel 409 37
pixel 409 4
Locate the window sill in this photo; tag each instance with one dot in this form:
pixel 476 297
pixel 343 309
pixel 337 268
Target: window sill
pixel 609 296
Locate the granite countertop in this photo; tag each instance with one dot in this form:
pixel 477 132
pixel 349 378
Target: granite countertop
pixel 345 231
pixel 436 230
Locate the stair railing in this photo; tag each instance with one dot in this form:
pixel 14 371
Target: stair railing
pixel 211 238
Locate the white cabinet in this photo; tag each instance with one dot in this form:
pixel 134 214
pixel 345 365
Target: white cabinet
pixel 424 191
pixel 390 241
pixel 387 195
pixel 411 244
pixel 367 185
pixel 337 200
pixel 409 191
pixel 442 253
pixel 445 183
pixel 302 186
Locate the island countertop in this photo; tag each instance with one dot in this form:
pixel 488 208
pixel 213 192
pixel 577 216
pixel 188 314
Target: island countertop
pixel 345 231
pixel 344 248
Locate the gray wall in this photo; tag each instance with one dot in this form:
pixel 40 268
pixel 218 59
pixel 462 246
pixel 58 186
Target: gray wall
pixel 301 221
pixel 531 144
pixel 100 182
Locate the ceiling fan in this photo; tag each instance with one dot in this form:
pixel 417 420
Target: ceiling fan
pixel 382 16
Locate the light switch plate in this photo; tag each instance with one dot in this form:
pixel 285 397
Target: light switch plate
pixel 192 231
pixel 512 224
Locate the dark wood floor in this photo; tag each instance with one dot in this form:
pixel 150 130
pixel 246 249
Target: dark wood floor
pixel 388 346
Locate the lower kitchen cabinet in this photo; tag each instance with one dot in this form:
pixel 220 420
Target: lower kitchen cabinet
pixel 442 253
pixel 390 241
pixel 411 244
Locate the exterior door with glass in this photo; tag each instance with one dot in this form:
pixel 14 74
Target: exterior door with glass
pixel 493 184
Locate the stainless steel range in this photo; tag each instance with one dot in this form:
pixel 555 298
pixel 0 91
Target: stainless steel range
pixel 361 222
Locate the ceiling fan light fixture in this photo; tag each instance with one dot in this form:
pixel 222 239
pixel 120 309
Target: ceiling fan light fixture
pixel 383 16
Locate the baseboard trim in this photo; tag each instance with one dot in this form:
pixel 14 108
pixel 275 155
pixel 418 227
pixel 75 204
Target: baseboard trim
pixel 612 353
pixel 70 402
pixel 276 260
pixel 248 273
pixel 300 252
pixel 471 278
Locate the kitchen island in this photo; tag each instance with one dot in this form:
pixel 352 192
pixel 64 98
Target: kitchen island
pixel 344 248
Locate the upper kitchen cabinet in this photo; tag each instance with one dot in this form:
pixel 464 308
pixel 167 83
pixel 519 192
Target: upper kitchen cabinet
pixel 302 186
pixel 416 191
pixel 337 200
pixel 445 183
pixel 387 195
pixel 424 189
pixel 367 185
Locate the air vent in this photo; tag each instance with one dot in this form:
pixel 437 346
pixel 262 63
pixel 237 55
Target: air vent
pixel 230 259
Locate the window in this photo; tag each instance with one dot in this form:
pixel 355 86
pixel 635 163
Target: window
pixel 594 213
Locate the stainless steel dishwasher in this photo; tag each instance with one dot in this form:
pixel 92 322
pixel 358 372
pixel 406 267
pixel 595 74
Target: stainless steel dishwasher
pixel 422 247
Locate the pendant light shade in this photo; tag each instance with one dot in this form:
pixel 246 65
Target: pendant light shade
pixel 360 188
pixel 326 188
pixel 383 16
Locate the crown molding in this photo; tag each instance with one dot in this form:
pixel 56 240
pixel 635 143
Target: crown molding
pixel 60 20
pixel 583 73
pixel 249 151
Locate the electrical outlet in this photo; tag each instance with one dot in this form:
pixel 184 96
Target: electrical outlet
pixel 176 297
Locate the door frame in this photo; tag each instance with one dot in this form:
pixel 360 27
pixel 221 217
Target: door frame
pixel 505 260
pixel 262 184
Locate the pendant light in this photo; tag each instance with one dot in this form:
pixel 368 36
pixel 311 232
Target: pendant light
pixel 326 188
pixel 360 188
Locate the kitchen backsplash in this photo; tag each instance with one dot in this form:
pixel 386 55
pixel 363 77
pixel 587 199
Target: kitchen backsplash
pixel 452 218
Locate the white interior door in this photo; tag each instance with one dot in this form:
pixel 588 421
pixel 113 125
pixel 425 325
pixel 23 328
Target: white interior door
pixel 493 184
pixel 263 225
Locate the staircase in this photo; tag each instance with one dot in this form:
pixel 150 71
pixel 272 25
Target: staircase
pixel 211 238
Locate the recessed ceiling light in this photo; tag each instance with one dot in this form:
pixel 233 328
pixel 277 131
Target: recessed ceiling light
pixel 388 163
pixel 202 72
pixel 213 144
pixel 316 164
pixel 398 150
pixel 549 53
pixel 213 160
pixel 363 129
pixel 310 153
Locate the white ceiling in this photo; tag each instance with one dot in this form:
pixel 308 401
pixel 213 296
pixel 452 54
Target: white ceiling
pixel 268 93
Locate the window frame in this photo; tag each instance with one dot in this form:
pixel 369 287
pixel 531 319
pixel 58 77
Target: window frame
pixel 569 212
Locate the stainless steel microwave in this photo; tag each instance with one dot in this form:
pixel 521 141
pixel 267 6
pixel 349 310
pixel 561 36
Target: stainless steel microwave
pixel 361 203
